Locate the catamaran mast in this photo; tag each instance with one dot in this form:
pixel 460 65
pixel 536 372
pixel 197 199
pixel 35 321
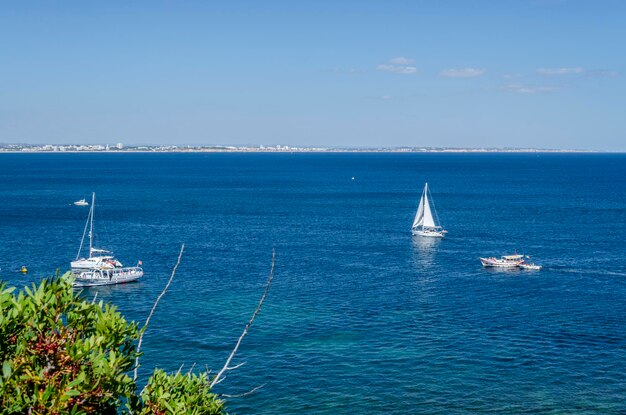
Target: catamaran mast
pixel 88 224
pixel 93 207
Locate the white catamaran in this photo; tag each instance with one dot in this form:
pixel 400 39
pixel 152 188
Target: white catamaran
pixel 101 267
pixel 424 223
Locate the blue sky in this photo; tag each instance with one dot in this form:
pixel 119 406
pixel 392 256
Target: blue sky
pixel 527 73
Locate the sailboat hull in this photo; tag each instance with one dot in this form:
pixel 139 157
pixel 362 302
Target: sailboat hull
pixel 429 234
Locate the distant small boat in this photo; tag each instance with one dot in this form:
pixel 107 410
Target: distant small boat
pixel 81 202
pixel 424 223
pixel 532 266
pixel 506 261
pixel 23 270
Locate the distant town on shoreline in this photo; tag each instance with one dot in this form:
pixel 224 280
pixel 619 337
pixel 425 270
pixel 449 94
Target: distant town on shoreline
pixel 119 147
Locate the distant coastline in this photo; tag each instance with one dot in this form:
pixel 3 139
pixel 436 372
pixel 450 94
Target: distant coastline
pixel 120 148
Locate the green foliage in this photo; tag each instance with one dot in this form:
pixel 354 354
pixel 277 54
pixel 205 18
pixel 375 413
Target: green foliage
pixel 63 355
pixel 179 394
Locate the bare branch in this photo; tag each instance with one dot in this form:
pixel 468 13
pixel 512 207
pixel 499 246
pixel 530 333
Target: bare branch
pixel 216 379
pixel 242 394
pixel 219 381
pixel 236 366
pixel 145 326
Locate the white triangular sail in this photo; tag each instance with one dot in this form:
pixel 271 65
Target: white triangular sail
pixel 424 223
pixel 428 221
pixel 424 216
pixel 419 216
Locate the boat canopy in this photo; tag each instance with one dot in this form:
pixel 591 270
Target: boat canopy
pixel 100 251
pixel 513 256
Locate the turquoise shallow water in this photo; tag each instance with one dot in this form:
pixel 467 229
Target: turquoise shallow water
pixel 361 317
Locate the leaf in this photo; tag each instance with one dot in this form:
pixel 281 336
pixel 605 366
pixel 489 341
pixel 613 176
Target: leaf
pixel 6 369
pixel 77 381
pixel 168 406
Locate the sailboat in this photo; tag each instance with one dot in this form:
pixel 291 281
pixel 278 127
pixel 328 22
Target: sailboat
pixel 101 267
pixel 424 223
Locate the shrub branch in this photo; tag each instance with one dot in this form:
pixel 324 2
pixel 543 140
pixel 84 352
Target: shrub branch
pixel 226 366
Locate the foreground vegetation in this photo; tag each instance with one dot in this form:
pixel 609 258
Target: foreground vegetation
pixel 61 354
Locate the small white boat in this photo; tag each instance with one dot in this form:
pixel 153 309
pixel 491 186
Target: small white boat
pixel 101 267
pixel 81 202
pixel 532 266
pixel 506 261
pixel 424 222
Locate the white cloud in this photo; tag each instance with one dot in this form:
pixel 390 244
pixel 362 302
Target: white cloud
pixel 401 61
pixel 462 73
pixel 398 65
pixel 525 89
pixel 560 71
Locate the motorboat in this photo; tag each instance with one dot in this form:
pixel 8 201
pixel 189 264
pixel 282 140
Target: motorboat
pixel 505 261
pixel 530 266
pixel 81 202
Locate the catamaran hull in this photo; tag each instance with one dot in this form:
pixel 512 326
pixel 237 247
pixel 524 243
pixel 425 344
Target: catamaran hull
pixel 97 277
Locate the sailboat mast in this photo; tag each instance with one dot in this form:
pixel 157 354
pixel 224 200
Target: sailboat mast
pixel 425 198
pixel 93 207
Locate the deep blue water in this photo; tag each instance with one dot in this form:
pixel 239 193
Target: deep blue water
pixel 361 318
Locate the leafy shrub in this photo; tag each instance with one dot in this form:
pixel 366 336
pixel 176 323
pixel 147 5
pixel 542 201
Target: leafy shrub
pixel 61 354
pixel 179 394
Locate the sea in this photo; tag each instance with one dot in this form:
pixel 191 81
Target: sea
pixel 361 317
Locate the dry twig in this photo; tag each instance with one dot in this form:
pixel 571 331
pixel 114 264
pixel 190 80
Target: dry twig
pixel 222 395
pixel 226 367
